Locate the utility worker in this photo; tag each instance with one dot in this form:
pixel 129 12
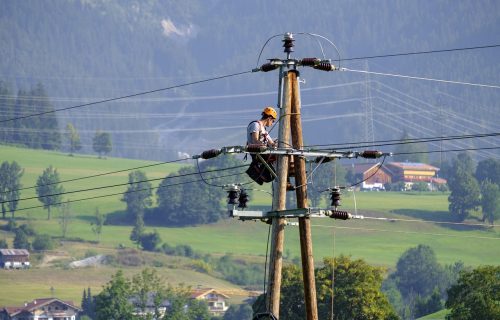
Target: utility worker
pixel 257 134
pixel 256 130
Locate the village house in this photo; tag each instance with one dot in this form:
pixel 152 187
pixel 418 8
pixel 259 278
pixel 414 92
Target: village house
pixel 216 301
pixel 374 176
pixel 14 258
pixel 45 308
pixel 411 172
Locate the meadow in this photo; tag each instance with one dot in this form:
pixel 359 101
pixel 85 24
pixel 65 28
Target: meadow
pixel 414 218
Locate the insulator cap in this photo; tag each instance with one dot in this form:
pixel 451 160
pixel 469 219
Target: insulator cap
pixel 335 197
pixel 269 67
pixel 371 154
pixel 209 154
pixel 242 199
pixel 325 66
pixel 288 42
pixel 232 195
pixel 256 148
pixel 341 215
pixel 310 62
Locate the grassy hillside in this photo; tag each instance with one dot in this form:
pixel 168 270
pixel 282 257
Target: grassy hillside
pixel 378 242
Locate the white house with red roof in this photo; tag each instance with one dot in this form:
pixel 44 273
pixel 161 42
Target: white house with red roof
pixel 216 301
pixel 42 309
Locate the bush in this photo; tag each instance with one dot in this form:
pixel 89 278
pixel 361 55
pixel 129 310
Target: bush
pixel 3 244
pixel 202 266
pixel 43 242
pixel 28 230
pixel 420 186
pixel 150 241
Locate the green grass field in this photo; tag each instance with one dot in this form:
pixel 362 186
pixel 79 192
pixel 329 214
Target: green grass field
pixel 417 219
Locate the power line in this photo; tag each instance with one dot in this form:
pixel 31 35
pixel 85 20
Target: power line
pixel 449 150
pixel 103 174
pixel 391 142
pixel 123 184
pixel 421 52
pixel 422 78
pixel 127 96
pixel 121 193
pixel 436 222
pixel 406 232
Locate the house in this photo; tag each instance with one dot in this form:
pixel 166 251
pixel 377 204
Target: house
pixel 14 258
pixel 150 307
pixel 411 172
pixel 216 301
pixel 373 176
pixel 45 308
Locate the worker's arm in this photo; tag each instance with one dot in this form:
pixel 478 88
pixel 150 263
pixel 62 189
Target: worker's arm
pixel 255 138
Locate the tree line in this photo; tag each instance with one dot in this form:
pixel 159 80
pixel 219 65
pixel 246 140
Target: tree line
pixel 42 131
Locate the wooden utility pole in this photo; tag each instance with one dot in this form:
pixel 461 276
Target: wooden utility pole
pixel 279 203
pixel 301 191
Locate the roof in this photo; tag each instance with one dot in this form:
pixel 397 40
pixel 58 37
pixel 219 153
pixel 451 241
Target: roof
pixel 37 303
pixel 199 293
pixel 413 166
pixel 14 252
pixel 361 167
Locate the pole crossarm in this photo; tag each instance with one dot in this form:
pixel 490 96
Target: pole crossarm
pixel 260 149
pixel 292 213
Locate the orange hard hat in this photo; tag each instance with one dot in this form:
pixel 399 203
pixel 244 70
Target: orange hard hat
pixel 269 111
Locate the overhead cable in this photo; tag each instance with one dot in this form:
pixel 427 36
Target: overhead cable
pixel 123 184
pixel 421 52
pixel 126 192
pixel 127 96
pixel 422 78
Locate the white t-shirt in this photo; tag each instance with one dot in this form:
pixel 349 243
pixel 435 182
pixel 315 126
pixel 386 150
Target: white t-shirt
pixel 255 126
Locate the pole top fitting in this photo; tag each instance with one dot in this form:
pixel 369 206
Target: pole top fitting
pixel 288 43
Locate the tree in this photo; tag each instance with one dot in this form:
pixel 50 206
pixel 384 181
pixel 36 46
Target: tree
pixel 417 272
pixel 97 223
pixel 148 287
pixel 73 138
pixel 101 143
pixel 65 217
pixel 137 231
pixel 475 295
pixel 182 307
pixel 88 304
pixel 4 244
pixel 407 151
pixel 490 201
pixel 357 292
pixel 10 183
pixel 138 194
pixel 488 169
pixel 150 241
pixel 48 189
pixel 181 203
pixel 21 240
pixel 464 188
pixel 112 302
pixel 238 312
pixel 43 242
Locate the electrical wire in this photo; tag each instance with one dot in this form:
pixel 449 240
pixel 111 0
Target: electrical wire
pixel 449 150
pixel 121 184
pixel 436 222
pixel 421 52
pixel 121 193
pixel 406 232
pixel 127 96
pixel 392 142
pixel 100 174
pixel 423 78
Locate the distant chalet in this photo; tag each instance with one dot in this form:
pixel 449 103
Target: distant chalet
pixel 14 259
pixel 44 308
